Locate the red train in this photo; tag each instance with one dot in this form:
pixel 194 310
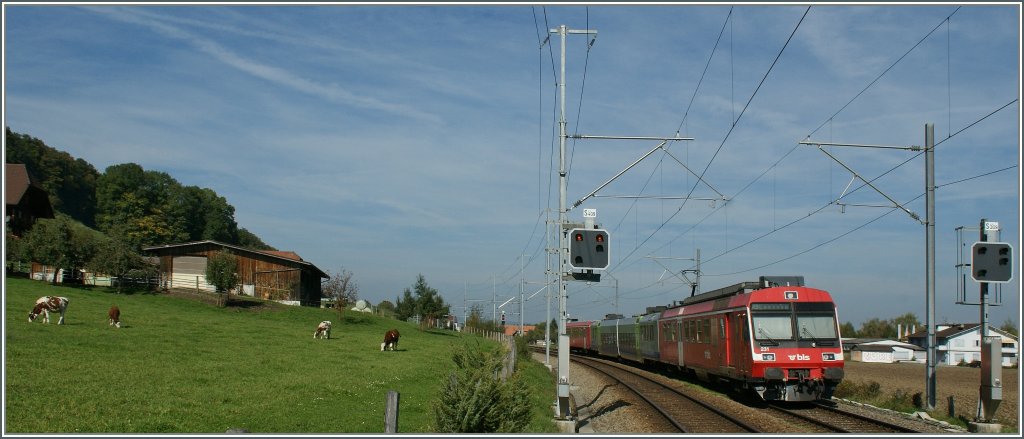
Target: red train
pixel 775 337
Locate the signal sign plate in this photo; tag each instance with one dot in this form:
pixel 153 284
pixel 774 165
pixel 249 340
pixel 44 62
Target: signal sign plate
pixel 992 262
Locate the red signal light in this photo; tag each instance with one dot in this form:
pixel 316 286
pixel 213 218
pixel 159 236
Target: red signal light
pixel 579 236
pixel 600 238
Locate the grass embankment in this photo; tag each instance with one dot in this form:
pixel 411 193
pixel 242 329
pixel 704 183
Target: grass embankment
pixel 182 366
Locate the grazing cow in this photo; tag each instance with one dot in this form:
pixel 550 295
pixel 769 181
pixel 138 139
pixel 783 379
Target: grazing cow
pixel 115 316
pixel 323 329
pixel 45 305
pixel 390 340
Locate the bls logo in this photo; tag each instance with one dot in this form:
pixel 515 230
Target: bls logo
pixel 799 357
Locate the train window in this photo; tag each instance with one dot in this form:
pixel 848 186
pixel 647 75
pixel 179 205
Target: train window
pixel 772 327
pixel 778 307
pixel 816 326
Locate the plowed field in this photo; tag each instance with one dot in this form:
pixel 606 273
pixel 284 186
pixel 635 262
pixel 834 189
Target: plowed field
pixel 962 383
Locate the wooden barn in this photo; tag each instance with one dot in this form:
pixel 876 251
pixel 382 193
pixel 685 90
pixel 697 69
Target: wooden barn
pixel 275 275
pixel 24 198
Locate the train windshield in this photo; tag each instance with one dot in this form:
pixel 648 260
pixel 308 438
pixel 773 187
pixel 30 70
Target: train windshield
pixel 816 321
pixel 772 322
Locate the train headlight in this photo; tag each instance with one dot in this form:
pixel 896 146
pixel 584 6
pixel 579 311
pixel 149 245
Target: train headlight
pixel 828 356
pixel 767 357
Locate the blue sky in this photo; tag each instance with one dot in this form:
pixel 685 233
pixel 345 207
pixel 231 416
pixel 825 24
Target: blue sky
pixel 398 140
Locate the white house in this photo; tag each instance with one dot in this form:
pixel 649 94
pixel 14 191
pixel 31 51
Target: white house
pixel 961 343
pixel 882 351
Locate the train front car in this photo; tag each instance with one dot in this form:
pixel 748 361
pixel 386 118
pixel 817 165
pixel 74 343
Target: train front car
pixel 795 348
pixel 775 337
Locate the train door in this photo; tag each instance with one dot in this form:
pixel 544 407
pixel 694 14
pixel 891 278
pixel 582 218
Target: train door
pixel 715 359
pixel 724 333
pixel 679 341
pixel 739 344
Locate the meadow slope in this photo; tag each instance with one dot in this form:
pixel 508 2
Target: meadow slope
pixel 181 366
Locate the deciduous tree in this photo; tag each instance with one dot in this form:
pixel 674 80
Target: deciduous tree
pixel 343 289
pixel 222 271
pixel 58 244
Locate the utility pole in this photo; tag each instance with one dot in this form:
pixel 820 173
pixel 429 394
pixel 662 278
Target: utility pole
pixel 563 408
pixel 928 222
pixel 929 245
pixel 548 272
pixel 522 283
pixel 563 337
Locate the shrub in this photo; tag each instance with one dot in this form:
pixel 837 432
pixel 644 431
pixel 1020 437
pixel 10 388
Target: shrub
pixel 857 390
pixel 474 399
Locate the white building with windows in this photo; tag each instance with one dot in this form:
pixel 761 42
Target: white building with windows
pixel 961 343
pixel 882 351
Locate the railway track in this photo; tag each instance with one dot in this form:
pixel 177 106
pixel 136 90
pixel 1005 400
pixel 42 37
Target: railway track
pixel 823 418
pixel 802 417
pixel 683 412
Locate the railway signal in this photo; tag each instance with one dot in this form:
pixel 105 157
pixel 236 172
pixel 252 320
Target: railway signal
pixel 991 262
pixel 588 249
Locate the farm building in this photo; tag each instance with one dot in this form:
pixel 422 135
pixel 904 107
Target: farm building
pixel 961 343
pixel 24 198
pixel 882 351
pixel 275 275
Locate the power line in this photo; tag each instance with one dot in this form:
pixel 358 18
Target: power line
pixel 883 73
pixel 831 240
pixel 579 108
pixel 812 213
pixel 722 144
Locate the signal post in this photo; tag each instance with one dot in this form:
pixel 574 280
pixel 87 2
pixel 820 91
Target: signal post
pixel 991 262
pixel 592 247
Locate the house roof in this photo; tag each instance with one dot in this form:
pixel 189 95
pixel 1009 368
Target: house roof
pixel 956 329
pixel 873 348
pixel 17 182
pixel 288 256
pixel 511 329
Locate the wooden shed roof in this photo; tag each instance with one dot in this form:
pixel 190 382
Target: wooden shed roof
pixel 289 257
pixel 18 182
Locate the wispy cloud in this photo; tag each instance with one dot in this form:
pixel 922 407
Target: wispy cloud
pixel 333 92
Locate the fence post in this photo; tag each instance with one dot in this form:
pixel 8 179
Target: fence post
pixel 391 412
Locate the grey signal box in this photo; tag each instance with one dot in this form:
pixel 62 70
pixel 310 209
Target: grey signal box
pixel 991 262
pixel 588 249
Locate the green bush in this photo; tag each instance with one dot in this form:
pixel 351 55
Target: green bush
pixel 900 400
pixel 474 398
pixel 857 390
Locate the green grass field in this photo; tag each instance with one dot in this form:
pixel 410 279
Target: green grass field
pixel 180 366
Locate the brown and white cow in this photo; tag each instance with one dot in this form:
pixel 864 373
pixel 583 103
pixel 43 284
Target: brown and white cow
pixel 45 305
pixel 390 340
pixel 114 314
pixel 323 329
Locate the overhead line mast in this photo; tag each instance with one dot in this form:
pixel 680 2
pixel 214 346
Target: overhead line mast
pixel 563 226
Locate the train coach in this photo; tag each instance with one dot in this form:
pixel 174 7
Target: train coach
pixel 582 336
pixel 776 337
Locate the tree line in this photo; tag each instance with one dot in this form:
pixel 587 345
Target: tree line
pixel 126 202
pixel 103 220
